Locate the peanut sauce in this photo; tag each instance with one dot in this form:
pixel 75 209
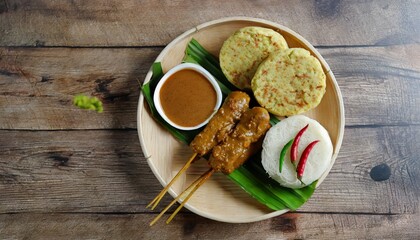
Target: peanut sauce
pixel 188 98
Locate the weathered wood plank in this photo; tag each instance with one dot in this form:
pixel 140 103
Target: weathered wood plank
pixel 37 85
pixel 105 171
pixel 190 226
pixel 379 85
pixel 127 23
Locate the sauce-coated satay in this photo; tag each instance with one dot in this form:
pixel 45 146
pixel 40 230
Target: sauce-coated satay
pixel 238 146
pixel 222 123
pixel 241 144
pixel 218 128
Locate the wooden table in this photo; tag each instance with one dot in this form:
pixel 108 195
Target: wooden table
pixel 71 173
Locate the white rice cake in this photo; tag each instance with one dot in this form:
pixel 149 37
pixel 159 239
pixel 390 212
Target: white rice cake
pixel 279 135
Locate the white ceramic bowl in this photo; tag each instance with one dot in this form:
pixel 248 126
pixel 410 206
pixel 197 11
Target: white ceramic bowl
pixel 199 69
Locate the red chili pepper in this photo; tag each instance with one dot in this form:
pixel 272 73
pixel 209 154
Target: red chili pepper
pixel 293 151
pixel 303 158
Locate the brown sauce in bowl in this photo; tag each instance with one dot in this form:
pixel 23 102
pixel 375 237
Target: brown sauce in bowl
pixel 188 98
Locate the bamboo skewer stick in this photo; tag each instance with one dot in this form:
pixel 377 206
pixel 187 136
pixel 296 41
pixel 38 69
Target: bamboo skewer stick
pixel 162 193
pixel 202 181
pixel 193 184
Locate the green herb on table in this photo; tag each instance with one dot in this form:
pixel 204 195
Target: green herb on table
pixel 90 103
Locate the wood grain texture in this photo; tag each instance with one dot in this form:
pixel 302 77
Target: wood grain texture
pixel 156 23
pixel 105 171
pixel 189 226
pixel 37 85
pixel 380 86
pixel 69 173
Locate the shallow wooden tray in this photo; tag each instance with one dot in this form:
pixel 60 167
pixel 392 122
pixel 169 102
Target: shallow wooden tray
pixel 219 198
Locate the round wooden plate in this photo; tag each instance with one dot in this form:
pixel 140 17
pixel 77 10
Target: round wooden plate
pixel 219 198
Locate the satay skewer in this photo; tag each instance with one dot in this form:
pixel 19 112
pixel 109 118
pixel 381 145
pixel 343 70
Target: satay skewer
pixel 230 154
pixel 218 128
